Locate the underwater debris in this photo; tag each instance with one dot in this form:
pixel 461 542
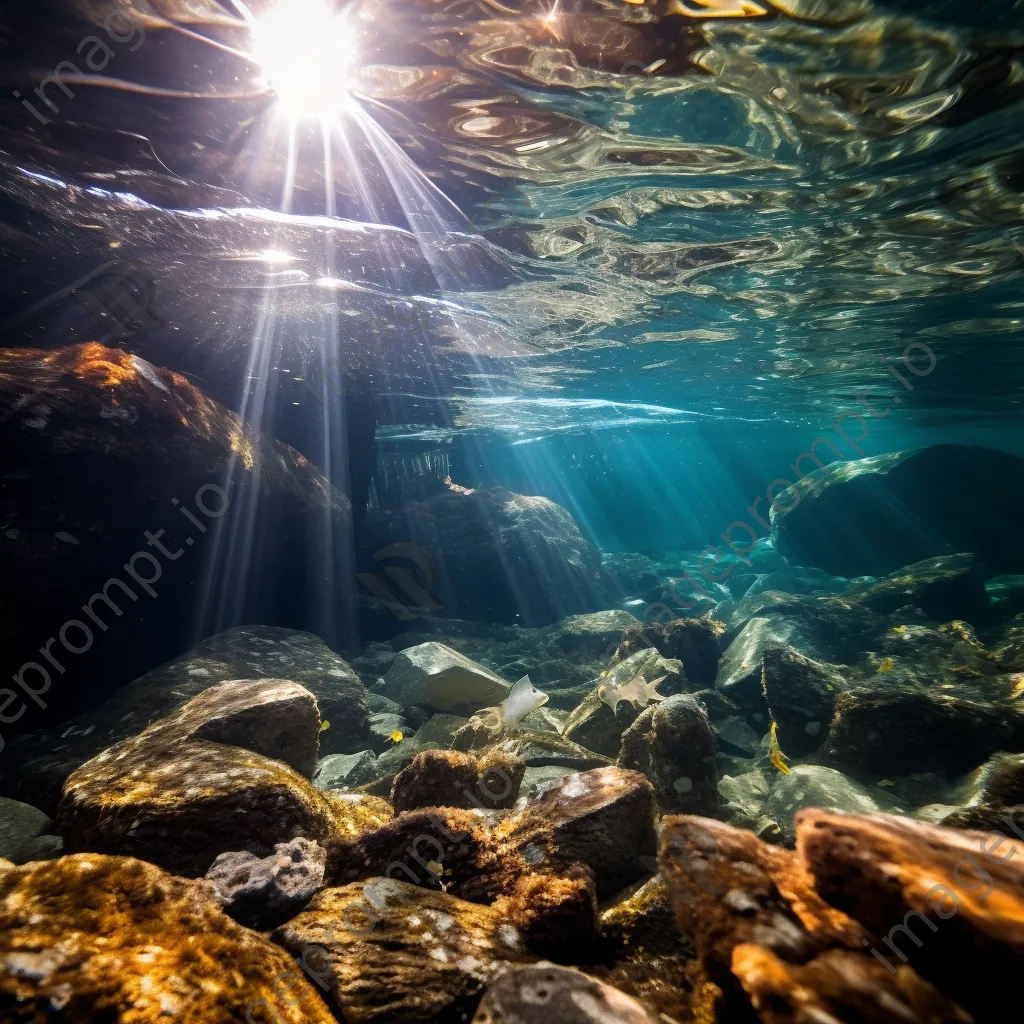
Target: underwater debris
pixel 775 754
pixel 637 691
pixel 523 698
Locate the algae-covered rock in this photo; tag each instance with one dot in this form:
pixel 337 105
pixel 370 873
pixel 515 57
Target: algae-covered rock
pixel 673 744
pixel 544 993
pixel 439 848
pixel 264 892
pixel 435 676
pixel 872 516
pixel 91 938
pixel 385 950
pixel 602 819
pixel 35 766
pixel 644 952
pixel 277 718
pixel 180 805
pixel 178 801
pixel 449 778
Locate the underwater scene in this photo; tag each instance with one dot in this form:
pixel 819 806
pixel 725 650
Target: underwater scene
pixel 509 511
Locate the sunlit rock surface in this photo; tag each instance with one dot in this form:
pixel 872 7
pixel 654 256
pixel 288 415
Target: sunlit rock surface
pixel 34 766
pixel 872 516
pixel 177 800
pixel 387 950
pixel 435 676
pixel 501 557
pixel 88 937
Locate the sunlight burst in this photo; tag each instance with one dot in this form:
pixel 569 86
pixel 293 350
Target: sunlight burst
pixel 307 53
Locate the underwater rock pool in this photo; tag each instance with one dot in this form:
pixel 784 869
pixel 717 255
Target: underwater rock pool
pixel 509 511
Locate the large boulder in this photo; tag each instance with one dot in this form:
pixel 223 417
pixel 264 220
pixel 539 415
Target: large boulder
pixel 91 938
pixel 104 454
pixel 385 950
pixel 501 557
pixel 35 766
pixel 178 801
pixel 872 516
pixel 434 676
pixel 602 819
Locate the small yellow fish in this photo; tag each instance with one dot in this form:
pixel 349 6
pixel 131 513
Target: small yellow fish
pixel 885 666
pixel 435 868
pixel 325 725
pixel 397 736
pixel 899 630
pixel 775 755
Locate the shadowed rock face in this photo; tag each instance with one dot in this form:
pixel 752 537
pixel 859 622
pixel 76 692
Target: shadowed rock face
pixel 101 447
pixel 502 557
pixel 873 516
pixel 92 938
pixel 34 766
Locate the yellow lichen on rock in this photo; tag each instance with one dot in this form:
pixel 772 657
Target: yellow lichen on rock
pixel 89 937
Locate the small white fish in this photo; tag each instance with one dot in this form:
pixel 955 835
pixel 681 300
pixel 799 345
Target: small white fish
pixel 638 691
pixel 523 698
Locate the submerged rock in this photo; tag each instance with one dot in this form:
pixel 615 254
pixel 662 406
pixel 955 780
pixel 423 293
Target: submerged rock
pixel 503 557
pixel 810 785
pixel 872 516
pixel 344 771
pixel 111 938
pixel 697 643
pixel 179 802
pixel 20 826
pixel 35 766
pixel 603 819
pixel 385 950
pixel 801 696
pixel 890 729
pixel 449 778
pixel 673 744
pixel 771 948
pixel 544 993
pixel 262 893
pixel 100 445
pixel 744 796
pixel 435 676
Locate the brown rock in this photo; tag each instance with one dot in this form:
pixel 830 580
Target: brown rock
pixel 387 951
pixel 449 778
pixel 356 813
pixel 273 717
pixel 839 986
pixel 435 848
pixel 950 903
pixel 673 744
pixel 602 819
pixel 90 938
pixel 697 643
pixel 556 915
pixel 650 957
pixel 179 802
pixel 543 994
